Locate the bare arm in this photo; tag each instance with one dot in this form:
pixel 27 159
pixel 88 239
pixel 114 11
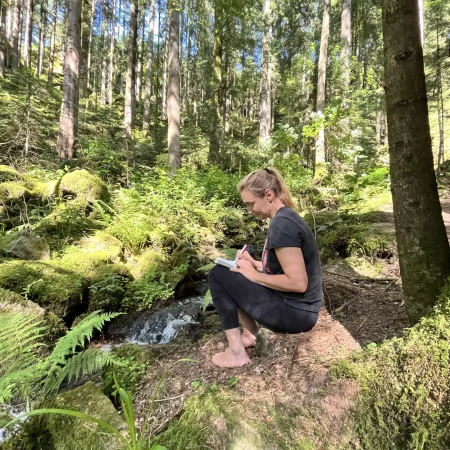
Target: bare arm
pixel 294 278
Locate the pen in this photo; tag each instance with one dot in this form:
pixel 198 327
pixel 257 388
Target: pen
pixel 242 251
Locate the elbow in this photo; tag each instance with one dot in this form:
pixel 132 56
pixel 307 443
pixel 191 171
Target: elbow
pixel 301 286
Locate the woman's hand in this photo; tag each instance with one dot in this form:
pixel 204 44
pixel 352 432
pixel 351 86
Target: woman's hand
pixel 246 257
pixel 245 267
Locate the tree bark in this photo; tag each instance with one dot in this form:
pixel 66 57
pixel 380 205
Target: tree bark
pixel 140 42
pixel 321 80
pixel 346 44
pixel 68 124
pixel 173 97
pixel 148 70
pixel 423 248
pixel 164 76
pixel 104 64
pixel 29 5
pixel 112 43
pixel 215 135
pixel 52 43
pixel 264 93
pixel 42 37
pixel 86 27
pixel 131 72
pixel 3 38
pixel 15 55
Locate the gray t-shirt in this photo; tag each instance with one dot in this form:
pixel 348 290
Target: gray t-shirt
pixel 288 229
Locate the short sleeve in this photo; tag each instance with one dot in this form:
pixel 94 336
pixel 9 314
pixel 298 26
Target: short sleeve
pixel 284 232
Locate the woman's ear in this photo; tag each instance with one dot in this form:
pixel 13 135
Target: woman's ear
pixel 268 194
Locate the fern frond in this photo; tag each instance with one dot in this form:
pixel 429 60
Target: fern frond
pixel 83 363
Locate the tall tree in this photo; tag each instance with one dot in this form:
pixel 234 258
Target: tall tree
pixel 346 43
pixel 42 37
pixel 112 44
pixel 68 123
pixel 148 70
pixel 15 53
pixel 215 134
pixel 29 7
pixel 424 252
pixel 321 80
pixel 264 92
pixel 173 97
pixel 3 38
pixel 86 37
pixel 131 71
pixel 53 42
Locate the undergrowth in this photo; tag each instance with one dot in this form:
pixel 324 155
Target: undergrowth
pixel 404 399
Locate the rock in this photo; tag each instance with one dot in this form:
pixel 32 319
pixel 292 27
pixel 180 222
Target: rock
pixel 61 432
pixel 13 191
pixel 55 287
pixel 85 186
pixel 262 347
pixel 24 245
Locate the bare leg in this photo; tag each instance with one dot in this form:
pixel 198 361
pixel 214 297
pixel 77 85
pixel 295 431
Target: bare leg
pixel 250 329
pixel 235 354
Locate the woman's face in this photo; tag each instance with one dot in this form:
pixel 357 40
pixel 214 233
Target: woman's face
pixel 259 206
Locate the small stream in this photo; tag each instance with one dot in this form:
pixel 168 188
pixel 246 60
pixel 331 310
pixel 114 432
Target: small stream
pixel 160 327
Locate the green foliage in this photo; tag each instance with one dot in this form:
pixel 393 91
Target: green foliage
pixel 404 399
pixel 27 374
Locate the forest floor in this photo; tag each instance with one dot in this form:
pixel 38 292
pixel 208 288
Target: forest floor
pixel 288 398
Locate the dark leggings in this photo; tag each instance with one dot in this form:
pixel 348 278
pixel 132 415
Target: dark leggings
pixel 231 290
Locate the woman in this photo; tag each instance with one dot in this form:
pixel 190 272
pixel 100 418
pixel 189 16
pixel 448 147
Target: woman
pixel 283 291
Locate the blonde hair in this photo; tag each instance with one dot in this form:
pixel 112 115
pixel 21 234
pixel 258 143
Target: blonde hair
pixel 269 178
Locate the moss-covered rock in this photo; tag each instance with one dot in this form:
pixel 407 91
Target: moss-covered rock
pixel 54 287
pixel 107 287
pixel 83 185
pixel 8 173
pixel 61 432
pixel 13 302
pixel 24 245
pixel 13 191
pixel 134 359
pixel 67 219
pixel 148 264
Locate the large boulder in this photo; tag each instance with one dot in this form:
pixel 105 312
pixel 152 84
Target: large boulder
pixel 24 245
pixel 61 432
pixel 83 185
pixel 54 287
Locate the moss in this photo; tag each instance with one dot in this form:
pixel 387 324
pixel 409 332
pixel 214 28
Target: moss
pixel 24 245
pixel 359 240
pixel 54 287
pixel 60 432
pixel 148 264
pixel 404 399
pixel 134 361
pixel 8 173
pixel 207 421
pixel 107 287
pixel 12 191
pixel 84 186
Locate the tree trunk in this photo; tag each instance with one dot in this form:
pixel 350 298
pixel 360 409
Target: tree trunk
pixel 15 55
pixel 53 43
pixel 42 37
pixel 131 72
pixel 104 64
pixel 68 124
pixel 264 93
pixel 158 52
pixel 423 248
pixel 148 70
pixel 173 98
pixel 346 44
pixel 321 80
pixel 164 77
pixel 29 5
pixel 112 42
pixel 86 33
pixel 215 130
pixel 140 46
pixel 3 38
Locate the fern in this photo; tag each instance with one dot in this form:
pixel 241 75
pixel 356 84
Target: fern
pixel 26 373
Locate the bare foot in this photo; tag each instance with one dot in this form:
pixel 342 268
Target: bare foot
pixel 230 359
pixel 248 339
